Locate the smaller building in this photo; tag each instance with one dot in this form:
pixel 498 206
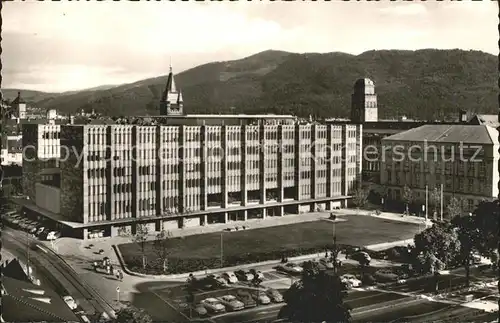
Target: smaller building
pixel 486 120
pixel 23 301
pixel 462 159
pixel 11 152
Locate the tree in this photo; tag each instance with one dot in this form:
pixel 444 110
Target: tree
pixel 140 238
pixel 440 241
pixel 317 297
pixel 160 245
pixel 334 255
pixel 407 198
pixel 434 201
pixel 132 315
pixel 486 223
pixel 454 208
pixel 360 197
pixel 469 237
pixel 383 192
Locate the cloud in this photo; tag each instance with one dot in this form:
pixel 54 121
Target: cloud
pixel 72 44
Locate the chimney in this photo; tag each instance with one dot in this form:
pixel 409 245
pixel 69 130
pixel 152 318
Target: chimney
pixel 463 116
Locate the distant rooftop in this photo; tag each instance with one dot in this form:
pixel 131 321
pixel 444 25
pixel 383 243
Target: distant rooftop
pixel 486 119
pixel 227 116
pixel 470 134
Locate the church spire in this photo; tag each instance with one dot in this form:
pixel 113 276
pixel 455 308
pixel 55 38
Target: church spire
pixel 171 101
pixel 170 88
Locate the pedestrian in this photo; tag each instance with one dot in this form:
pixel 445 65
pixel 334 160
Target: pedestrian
pixel 121 275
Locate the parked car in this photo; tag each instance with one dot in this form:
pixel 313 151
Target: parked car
pixel 33 230
pixel 261 297
pixel 362 257
pixel 326 263
pixel 231 302
pixel 213 305
pixel 246 298
pixel 476 259
pixel 230 277
pixel 70 302
pixel 350 280
pixel 43 235
pixel 274 295
pixel 218 280
pixel 291 268
pixel 244 275
pixel 53 235
pixel 257 273
pixel 39 230
pixel 200 310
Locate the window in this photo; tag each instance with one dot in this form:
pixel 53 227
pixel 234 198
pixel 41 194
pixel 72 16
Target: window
pixel 470 204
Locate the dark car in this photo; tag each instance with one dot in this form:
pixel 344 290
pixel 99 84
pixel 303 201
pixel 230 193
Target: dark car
pixel 246 298
pixel 243 275
pixel 43 235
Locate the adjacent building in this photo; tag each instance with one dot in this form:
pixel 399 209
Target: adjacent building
pixel 461 158
pixel 177 170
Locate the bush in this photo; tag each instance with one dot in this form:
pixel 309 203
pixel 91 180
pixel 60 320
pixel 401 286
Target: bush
pixel 184 265
pixel 393 254
pixel 385 276
pixel 368 279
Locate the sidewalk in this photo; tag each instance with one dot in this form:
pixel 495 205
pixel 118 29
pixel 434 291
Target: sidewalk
pixel 76 253
pixel 386 215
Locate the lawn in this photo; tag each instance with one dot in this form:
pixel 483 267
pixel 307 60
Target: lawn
pixel 199 252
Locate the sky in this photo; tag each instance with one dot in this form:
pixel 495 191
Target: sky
pixel 64 46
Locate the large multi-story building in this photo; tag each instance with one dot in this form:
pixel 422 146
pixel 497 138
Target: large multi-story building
pixel 186 170
pixel 364 110
pixel 461 158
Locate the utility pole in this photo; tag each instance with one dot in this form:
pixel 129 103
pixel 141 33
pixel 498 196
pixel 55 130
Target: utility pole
pixel 221 251
pixel 28 255
pixel 441 202
pixel 426 202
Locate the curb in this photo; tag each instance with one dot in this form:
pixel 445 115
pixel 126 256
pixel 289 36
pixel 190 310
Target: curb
pixel 85 285
pixel 219 270
pixel 208 271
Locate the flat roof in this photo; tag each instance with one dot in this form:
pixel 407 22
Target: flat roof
pixel 29 204
pixel 465 133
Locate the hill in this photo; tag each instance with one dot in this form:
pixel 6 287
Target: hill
pixel 28 95
pixel 426 84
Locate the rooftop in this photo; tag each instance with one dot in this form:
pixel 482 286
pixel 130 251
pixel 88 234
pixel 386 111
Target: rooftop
pixel 470 134
pixel 26 302
pixel 486 119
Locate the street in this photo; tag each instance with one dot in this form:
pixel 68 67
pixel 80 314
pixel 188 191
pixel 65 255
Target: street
pixel 53 271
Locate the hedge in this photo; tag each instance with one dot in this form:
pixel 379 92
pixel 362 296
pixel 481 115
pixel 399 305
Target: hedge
pixel 186 265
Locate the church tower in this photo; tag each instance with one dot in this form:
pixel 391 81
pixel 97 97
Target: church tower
pixel 19 106
pixel 364 102
pixel 171 101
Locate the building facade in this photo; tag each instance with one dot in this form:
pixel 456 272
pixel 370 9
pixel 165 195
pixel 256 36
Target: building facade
pixel 461 158
pixel 111 176
pixel 177 170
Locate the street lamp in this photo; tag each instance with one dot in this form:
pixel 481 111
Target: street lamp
pixel 221 250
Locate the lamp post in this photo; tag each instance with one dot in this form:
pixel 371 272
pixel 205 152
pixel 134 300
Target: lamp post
pixel 221 250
